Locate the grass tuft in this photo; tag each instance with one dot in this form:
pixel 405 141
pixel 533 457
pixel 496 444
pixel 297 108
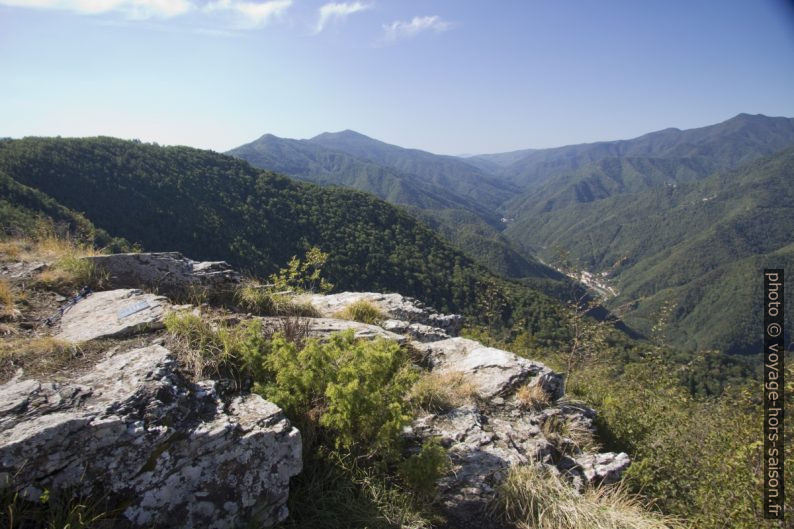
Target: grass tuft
pixel 533 397
pixel 362 311
pixel 569 436
pixel 440 392
pixel 533 498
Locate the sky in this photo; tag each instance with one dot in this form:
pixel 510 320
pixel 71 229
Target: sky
pixel 452 77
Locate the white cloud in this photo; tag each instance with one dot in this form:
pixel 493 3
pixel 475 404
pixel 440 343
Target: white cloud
pixel 400 29
pixel 129 8
pixel 337 11
pixel 253 14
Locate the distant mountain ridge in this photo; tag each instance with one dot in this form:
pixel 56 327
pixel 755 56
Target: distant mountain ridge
pixel 460 200
pixel 613 206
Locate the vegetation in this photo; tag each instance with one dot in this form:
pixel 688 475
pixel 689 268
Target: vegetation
pixel 696 249
pixel 55 510
pixel 439 392
pixel 531 498
pixel 217 207
pixel 423 470
pixel 362 311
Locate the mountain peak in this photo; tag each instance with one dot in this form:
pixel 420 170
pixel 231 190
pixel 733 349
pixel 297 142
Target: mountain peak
pixel 346 134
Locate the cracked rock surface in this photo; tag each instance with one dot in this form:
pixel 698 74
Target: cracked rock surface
pixel 133 427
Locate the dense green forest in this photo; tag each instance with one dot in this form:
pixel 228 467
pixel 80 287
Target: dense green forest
pixel 211 206
pixel 695 249
pixel 458 200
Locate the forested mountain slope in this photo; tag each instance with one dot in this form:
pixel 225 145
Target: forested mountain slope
pixel 698 248
pixel 216 207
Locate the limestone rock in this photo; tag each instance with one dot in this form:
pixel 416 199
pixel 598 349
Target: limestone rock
pixel 166 272
pixel 324 327
pixel 134 428
pixel 417 331
pixel 487 437
pixel 604 468
pixel 112 313
pixel 494 372
pixel 396 306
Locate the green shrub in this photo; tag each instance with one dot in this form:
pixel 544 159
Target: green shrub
pixel 362 311
pixel 421 471
pixel 303 276
pixel 356 387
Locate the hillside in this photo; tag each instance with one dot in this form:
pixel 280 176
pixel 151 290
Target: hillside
pixel 453 197
pixel 217 208
pixel 726 145
pixel 697 247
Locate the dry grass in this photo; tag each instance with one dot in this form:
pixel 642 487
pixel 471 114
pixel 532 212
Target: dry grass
pixel 362 311
pixel 534 498
pixel 41 356
pixel 568 435
pixel 533 397
pixel 8 308
pixel 67 269
pixel 440 392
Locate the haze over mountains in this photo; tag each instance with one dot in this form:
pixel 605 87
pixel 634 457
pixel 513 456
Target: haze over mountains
pixel 666 215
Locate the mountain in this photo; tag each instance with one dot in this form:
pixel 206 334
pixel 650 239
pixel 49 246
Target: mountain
pixel 697 248
pixel 448 172
pixel 440 190
pixel 726 145
pixel 215 207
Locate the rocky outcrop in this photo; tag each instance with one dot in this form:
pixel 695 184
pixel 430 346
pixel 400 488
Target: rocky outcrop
pixel 395 306
pixel 499 428
pixel 174 453
pixel 493 372
pixel 166 272
pixel 112 314
pixel 325 327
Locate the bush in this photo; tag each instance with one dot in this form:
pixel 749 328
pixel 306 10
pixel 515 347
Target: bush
pixel 421 471
pixel 355 387
pixel 362 311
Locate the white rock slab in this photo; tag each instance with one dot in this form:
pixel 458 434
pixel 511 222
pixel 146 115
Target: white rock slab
pixel 112 313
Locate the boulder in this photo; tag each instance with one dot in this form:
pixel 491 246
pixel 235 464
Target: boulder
pixel 165 272
pixel 497 431
pixel 604 468
pixel 395 306
pixel 173 453
pixel 112 314
pixel 494 372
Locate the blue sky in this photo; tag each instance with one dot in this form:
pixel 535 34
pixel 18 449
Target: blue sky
pixel 446 76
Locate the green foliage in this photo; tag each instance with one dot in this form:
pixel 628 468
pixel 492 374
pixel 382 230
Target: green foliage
pixel 645 411
pixel 334 491
pixel 303 276
pixel 216 207
pixel 55 509
pixel 362 311
pixel 421 471
pixel 356 387
pixel 219 351
pixel 693 252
